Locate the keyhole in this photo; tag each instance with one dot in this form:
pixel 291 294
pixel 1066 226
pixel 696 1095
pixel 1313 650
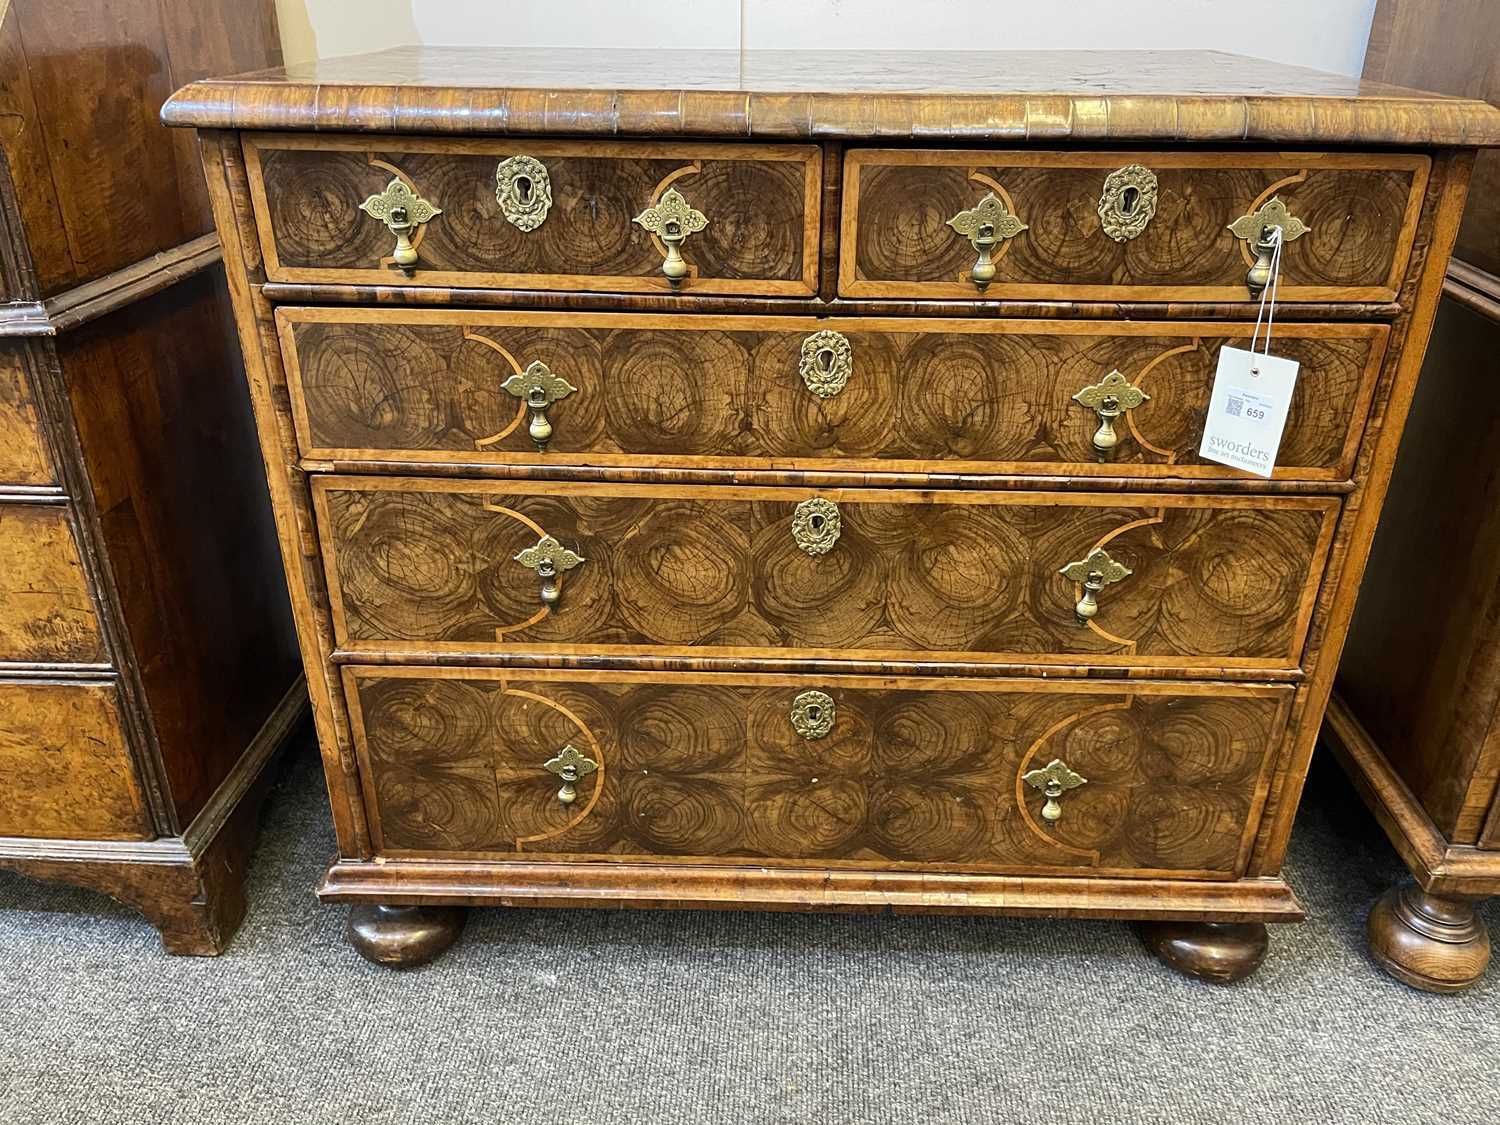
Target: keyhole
pixel 523 189
pixel 817 523
pixel 1128 200
pixel 815 712
pixel 825 360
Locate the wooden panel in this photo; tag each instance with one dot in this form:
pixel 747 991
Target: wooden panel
pixel 1432 591
pixel 169 446
pixel 23 450
pixel 1449 46
pixel 100 183
pixel 46 613
pixel 65 768
pixel 428 567
pixel 726 392
pixel 923 772
pixel 1362 211
pixel 761 204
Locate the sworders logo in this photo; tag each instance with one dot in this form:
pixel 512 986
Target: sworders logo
pixel 1245 449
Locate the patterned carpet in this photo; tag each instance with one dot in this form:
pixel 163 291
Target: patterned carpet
pixel 541 1016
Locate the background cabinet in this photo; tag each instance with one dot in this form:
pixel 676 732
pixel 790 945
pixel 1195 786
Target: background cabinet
pixel 148 667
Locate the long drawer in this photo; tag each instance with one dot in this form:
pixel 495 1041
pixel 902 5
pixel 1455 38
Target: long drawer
pixel 1196 582
pixel 1126 225
pixel 530 214
pixel 448 387
pixel 996 775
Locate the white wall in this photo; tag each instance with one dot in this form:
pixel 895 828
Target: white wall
pixel 1327 34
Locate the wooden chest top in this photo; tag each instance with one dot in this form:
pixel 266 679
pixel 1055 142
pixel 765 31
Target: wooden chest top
pixel 1084 96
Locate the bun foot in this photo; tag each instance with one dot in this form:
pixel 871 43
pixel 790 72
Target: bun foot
pixel 1435 944
pixel 401 937
pixel 1218 952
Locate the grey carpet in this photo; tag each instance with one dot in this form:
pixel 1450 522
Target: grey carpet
pixel 705 1018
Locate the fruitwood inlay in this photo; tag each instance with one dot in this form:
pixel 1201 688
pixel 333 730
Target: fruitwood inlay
pixel 427 567
pixel 725 392
pixel 762 206
pixel 1362 211
pixel 907 776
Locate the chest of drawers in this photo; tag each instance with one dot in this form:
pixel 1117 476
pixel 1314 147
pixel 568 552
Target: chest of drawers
pixel 703 486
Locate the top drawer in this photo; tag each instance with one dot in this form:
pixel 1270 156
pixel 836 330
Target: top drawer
pixel 1126 225
pixel 522 214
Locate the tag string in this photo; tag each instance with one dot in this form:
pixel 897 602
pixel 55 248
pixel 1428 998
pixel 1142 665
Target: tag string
pixel 1267 310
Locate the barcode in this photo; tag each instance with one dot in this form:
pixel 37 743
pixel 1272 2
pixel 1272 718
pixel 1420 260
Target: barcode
pixel 1234 407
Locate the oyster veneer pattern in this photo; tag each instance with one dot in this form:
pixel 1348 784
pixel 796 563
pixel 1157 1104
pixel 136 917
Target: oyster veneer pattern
pixel 426 567
pixel 1361 210
pixel 906 776
pixel 726 391
pixel 761 204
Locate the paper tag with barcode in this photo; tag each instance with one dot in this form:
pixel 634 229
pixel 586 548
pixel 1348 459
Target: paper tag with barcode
pixel 1247 410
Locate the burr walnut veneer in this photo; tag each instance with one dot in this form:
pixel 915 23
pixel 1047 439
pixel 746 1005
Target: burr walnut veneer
pixel 706 482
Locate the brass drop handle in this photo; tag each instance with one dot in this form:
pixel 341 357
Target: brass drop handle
pixel 549 559
pixel 571 766
pixel 816 525
pixel 538 388
pixel 1256 229
pixel 402 211
pixel 1094 571
pixel 1110 397
pixel 672 220
pixel 827 362
pixel 1054 779
pixel 984 225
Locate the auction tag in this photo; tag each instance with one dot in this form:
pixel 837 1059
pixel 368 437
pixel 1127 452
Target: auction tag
pixel 1247 410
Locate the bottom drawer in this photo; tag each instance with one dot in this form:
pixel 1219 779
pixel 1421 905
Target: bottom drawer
pixel 65 769
pixel 845 771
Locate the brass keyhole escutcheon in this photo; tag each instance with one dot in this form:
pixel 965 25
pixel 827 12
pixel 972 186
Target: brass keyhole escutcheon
pixel 826 363
pixel 1054 779
pixel 813 713
pixel 1093 572
pixel 1128 202
pixel 523 188
pixel 816 525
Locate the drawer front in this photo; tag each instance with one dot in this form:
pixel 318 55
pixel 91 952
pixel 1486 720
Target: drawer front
pixel 65 769
pixel 447 387
pixel 23 451
pixel 1066 226
pixel 445 567
pixel 758 207
pixel 892 773
pixel 46 613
